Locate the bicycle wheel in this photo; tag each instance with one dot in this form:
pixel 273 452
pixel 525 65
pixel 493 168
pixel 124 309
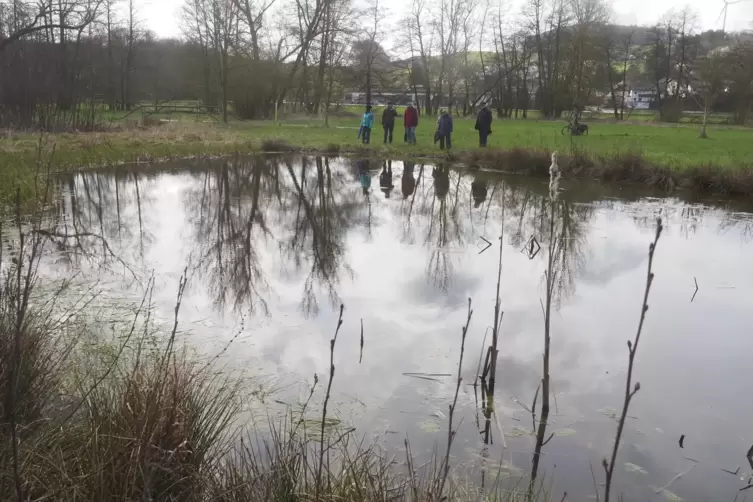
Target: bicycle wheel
pixel 566 130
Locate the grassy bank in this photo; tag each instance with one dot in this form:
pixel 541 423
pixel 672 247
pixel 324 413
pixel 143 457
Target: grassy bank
pixel 664 155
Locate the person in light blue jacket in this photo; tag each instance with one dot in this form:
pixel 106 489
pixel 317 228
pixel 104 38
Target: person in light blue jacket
pixel 367 121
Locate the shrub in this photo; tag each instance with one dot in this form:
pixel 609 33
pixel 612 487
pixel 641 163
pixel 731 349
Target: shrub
pixel 275 145
pixel 671 111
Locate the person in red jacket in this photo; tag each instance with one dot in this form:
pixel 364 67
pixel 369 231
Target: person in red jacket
pixel 410 121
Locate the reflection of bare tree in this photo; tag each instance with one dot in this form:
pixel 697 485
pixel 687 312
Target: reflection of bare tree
pixel 89 221
pixel 323 214
pixel 410 188
pixel 530 215
pixel 250 210
pixel 571 236
pixel 444 227
pixel 230 228
pixel 742 222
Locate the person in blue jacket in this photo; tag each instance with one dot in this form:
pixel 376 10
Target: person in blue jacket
pixel 367 121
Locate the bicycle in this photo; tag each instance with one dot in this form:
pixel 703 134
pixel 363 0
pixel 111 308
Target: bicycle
pixel 575 130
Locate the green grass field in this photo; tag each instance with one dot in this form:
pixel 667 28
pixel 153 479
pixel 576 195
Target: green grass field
pixel 675 146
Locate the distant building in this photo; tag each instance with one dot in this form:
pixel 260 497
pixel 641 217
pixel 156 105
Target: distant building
pixel 641 98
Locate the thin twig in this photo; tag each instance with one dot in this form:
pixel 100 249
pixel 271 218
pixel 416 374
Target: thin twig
pixel 593 477
pixel 360 357
pixel 411 470
pixel 533 406
pixel 631 390
pixel 450 433
pixel 480 357
pixel 326 401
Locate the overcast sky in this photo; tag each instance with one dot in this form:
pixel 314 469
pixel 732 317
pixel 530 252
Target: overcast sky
pixel 162 16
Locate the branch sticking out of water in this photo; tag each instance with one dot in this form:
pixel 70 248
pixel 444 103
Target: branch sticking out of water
pixel 360 357
pixel 326 401
pixel 630 389
pixel 445 470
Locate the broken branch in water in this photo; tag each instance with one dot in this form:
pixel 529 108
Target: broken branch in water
pixel 682 439
pixel 696 290
pixel 428 374
pixel 360 357
pixel 630 389
pixel 733 473
pixel 675 479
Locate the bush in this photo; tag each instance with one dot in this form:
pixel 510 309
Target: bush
pixel 671 111
pixel 275 145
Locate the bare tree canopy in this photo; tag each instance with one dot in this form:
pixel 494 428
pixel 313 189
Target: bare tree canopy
pixel 64 62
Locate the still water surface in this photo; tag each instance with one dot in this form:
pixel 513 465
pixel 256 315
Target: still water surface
pixel 272 246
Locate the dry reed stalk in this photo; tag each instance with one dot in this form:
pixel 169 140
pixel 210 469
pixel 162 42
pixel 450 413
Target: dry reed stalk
pixel 630 391
pixel 326 402
pixel 445 466
pixel 550 276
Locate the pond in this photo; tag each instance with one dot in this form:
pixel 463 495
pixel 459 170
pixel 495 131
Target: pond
pixel 272 246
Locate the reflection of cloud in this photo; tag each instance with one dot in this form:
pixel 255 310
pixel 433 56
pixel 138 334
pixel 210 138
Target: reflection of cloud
pixel 422 291
pixel 610 259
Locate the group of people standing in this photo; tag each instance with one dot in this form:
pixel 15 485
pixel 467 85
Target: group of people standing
pixel 443 134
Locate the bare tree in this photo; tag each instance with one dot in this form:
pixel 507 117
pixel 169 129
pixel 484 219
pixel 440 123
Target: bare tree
pixel 33 18
pixel 370 60
pixel 712 73
pixel 421 40
pixel 215 25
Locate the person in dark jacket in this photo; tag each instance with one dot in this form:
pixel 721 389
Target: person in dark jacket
pixel 444 130
pixel 408 182
pixel 479 189
pixel 385 179
pixel 410 121
pixel 441 175
pixel 388 122
pixel 484 125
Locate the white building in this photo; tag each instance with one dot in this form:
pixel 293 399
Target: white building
pixel 641 98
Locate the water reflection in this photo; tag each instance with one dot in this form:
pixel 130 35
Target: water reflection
pixel 304 208
pixel 262 233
